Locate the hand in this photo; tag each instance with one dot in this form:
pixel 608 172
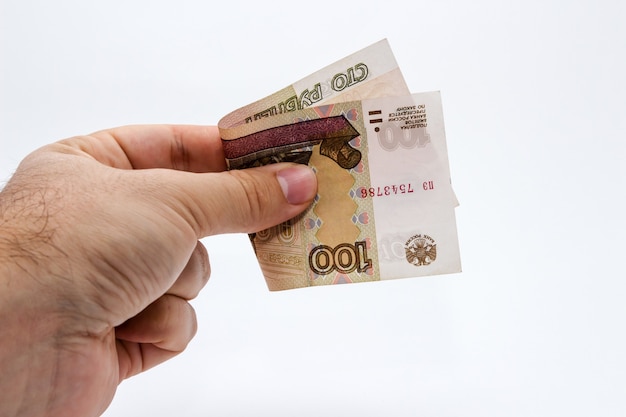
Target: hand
pixel 99 255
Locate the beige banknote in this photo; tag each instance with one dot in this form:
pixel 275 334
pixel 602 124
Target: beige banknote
pixel 368 73
pixel 385 206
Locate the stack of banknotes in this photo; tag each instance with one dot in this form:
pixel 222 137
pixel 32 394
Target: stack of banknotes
pixel 385 207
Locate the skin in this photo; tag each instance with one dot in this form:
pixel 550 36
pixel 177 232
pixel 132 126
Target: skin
pixel 100 254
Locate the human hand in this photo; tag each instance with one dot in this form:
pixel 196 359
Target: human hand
pixel 99 255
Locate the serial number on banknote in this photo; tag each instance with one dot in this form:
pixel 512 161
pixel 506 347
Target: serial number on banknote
pixel 387 190
pixel 394 189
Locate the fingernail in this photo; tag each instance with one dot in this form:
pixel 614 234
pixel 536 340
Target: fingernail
pixel 298 183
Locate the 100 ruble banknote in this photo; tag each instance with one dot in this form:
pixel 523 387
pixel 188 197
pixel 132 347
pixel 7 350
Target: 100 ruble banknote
pixel 385 205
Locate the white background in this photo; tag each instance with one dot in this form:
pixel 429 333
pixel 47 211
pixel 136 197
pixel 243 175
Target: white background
pixel 534 98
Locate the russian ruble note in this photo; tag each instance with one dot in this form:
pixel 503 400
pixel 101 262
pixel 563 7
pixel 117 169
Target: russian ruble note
pixel 385 206
pixel 368 73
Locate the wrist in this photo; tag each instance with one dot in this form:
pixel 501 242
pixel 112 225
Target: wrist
pixel 27 333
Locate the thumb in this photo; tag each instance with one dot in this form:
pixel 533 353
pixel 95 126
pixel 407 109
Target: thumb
pixel 245 201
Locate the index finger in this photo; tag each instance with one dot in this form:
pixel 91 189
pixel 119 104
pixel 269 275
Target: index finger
pixel 181 147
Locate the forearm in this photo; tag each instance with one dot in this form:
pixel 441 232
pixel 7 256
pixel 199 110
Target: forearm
pixel 28 328
pixel 24 335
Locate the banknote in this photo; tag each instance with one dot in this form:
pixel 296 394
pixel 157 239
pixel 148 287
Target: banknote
pixel 368 73
pixel 384 207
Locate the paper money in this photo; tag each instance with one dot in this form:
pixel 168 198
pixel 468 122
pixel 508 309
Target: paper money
pixel 368 73
pixel 385 206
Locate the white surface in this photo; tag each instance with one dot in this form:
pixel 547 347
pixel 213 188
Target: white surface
pixel 534 100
